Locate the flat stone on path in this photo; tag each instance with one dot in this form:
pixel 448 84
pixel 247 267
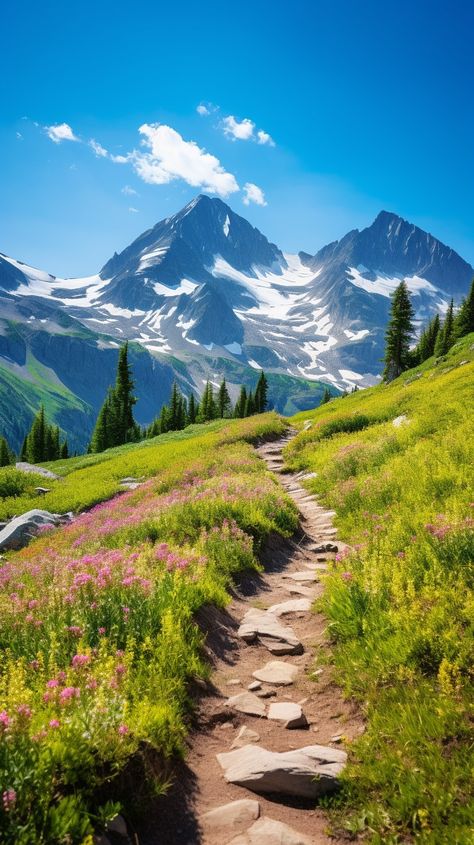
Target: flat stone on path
pixel 277 672
pixel 279 648
pixel 298 590
pixel 308 772
pixel 232 817
pixel 303 575
pixel 289 713
pixel 261 623
pixel 270 832
pixel 291 606
pixel 246 702
pixel 244 737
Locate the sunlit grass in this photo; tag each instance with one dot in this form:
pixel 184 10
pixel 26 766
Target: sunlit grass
pixel 401 606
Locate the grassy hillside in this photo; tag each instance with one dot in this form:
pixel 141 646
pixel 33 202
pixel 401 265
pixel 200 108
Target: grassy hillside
pixel 98 642
pixel 400 606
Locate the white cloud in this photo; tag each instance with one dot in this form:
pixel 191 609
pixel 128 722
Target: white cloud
pixel 19 136
pixel 253 194
pixel 242 131
pixel 265 138
pixel 99 150
pixel 202 110
pixel 133 210
pixel 170 157
pixel 129 191
pixel 60 132
pixel 120 159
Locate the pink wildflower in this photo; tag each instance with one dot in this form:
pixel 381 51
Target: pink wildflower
pixel 123 730
pixel 52 684
pixel 24 711
pixel 80 660
pixel 69 692
pixel 5 720
pixel 54 723
pixel 347 576
pixel 9 799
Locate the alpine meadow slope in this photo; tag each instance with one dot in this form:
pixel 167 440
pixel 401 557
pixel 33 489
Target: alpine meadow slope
pixel 203 294
pixel 395 462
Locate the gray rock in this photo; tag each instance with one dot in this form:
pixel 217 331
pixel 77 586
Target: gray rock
pixel 21 530
pixel 24 466
pixel 246 702
pixel 308 772
pixel 277 672
pixel 255 685
pixel 401 420
pixel 244 737
pixel 279 648
pixel 288 712
pixel 291 606
pixel 270 832
pixel 42 490
pixel 261 623
pixel 232 817
pixel 295 589
pixel 302 576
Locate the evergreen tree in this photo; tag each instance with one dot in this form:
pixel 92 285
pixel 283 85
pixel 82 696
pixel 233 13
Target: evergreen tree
pixel 164 419
pixel 224 407
pixel 174 409
pixel 239 410
pixel 249 409
pixel 6 456
pixel 326 397
pixel 426 344
pixel 24 449
pixel 124 398
pixel 261 394
pixel 115 423
pixel 65 450
pixel 192 410
pixel 207 406
pixel 445 338
pixel 36 442
pixel 182 413
pixel 398 334
pixel 464 321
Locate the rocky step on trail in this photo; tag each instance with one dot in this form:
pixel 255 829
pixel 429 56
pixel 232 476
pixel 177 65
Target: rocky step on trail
pixel 264 748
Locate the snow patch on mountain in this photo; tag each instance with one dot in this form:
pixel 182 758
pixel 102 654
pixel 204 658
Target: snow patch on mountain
pixel 384 285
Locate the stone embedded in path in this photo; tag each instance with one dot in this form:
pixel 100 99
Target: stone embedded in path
pixel 262 624
pixel 303 575
pixel 246 702
pixel 232 817
pixel 317 567
pixel 255 685
pixel 291 606
pixel 279 648
pixel 277 672
pixel 308 772
pixel 298 590
pixel 244 737
pixel 270 832
pixel 288 712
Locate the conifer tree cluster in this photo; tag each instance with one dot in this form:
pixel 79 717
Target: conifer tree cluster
pixel 438 337
pixel 115 424
pixel 181 412
pixel 43 441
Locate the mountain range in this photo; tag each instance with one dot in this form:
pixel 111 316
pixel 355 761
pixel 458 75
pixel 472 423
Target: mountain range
pixel 203 294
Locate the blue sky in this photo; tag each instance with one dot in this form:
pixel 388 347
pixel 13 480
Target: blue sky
pixel 369 106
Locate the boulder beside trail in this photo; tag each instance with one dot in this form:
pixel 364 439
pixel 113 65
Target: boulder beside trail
pixel 22 529
pixel 308 772
pixel 267 627
pixel 24 466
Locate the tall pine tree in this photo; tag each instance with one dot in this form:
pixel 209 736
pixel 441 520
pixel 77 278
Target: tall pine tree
pixel 239 410
pixel 224 406
pixel 6 456
pixel 261 394
pixel 445 338
pixel 326 397
pixel 115 423
pixel 399 333
pixel 464 321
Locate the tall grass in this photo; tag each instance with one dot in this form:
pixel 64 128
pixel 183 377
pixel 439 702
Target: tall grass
pixel 98 641
pixel 400 606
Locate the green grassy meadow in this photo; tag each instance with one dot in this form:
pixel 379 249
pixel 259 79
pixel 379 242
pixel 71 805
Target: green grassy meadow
pixel 400 606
